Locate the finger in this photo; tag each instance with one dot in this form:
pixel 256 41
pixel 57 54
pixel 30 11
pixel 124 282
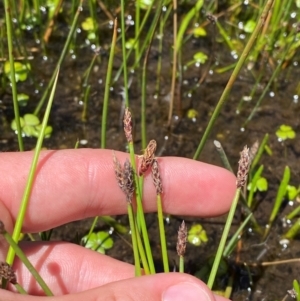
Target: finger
pixel 159 287
pixel 68 268
pixel 75 184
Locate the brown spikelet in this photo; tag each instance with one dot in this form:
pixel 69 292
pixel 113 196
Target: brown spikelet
pixel 156 177
pixel 244 164
pixel 124 177
pixel 7 273
pixel 181 240
pixel 118 172
pixel 128 125
pixel 148 157
pixel 128 181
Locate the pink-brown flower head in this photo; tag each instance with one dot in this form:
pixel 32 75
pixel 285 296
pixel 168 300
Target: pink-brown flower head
pixel 244 164
pixel 181 239
pixel 156 177
pixel 128 125
pixel 7 273
pixel 147 158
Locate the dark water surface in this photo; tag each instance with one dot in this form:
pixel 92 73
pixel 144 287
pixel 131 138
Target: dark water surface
pixel 280 106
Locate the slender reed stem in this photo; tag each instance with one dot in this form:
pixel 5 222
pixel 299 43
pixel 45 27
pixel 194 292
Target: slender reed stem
pixel 8 19
pixel 24 259
pixel 162 234
pixel 107 86
pixel 233 76
pixel 134 240
pixel 221 247
pixel 60 60
pixel 30 179
pixel 125 71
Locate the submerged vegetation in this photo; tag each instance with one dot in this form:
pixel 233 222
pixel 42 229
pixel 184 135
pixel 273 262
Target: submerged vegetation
pixel 174 75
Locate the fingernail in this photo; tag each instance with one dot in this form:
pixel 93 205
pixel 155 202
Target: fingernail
pixel 185 291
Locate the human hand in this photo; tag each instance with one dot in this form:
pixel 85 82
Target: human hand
pixel 75 184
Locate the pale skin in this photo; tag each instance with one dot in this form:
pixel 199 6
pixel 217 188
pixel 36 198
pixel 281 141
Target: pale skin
pixel 75 184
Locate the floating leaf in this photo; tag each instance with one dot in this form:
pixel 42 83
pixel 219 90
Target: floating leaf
pixel 199 32
pixel 22 99
pixel 197 235
pixel 292 192
pixel 130 44
pixel 31 119
pixel 99 241
pixel 192 113
pixel 144 4
pixel 261 185
pixel 88 24
pixel 21 71
pixel 250 26
pixel 285 132
pixel 200 57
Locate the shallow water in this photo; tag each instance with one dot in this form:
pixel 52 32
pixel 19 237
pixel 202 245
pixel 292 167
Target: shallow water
pixel 280 106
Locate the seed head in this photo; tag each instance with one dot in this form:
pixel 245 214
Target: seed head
pixel 181 240
pixel 128 125
pixel 156 177
pixel 148 157
pixel 128 181
pixel 244 164
pixel 6 272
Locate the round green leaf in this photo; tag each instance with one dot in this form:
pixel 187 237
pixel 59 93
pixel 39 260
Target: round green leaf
pixel 31 119
pixel 22 99
pixel 99 241
pixel 88 24
pixel 197 235
pixel 249 26
pixel 262 184
pixel 199 32
pixel 200 57
pixel 14 125
pixel 285 132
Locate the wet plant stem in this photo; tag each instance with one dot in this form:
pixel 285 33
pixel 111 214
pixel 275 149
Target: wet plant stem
pixel 223 156
pixel 8 19
pixel 134 241
pixel 27 263
pixel 140 212
pixel 234 75
pixel 107 86
pixel 162 234
pixel 142 253
pixel 181 264
pixel 60 60
pixel 125 71
pixel 30 179
pixel 225 233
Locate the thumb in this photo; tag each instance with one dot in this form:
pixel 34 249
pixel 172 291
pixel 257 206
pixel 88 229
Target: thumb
pixel 159 287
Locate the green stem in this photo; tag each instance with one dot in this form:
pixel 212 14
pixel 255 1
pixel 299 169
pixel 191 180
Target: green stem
pixel 60 60
pixel 30 179
pixel 8 19
pixel 162 234
pixel 107 86
pixel 134 241
pixel 233 76
pixel 27 263
pixel 181 264
pixel 221 247
pixel 140 212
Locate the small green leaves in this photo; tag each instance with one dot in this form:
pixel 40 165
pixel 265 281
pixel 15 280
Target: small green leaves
pixel 22 99
pixel 292 192
pixel 31 126
pixel 285 132
pixel 200 57
pixel 144 4
pixel 88 24
pixel 260 185
pixel 199 32
pixel 130 44
pixel 21 71
pixel 250 26
pixel 99 241
pixel 197 235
